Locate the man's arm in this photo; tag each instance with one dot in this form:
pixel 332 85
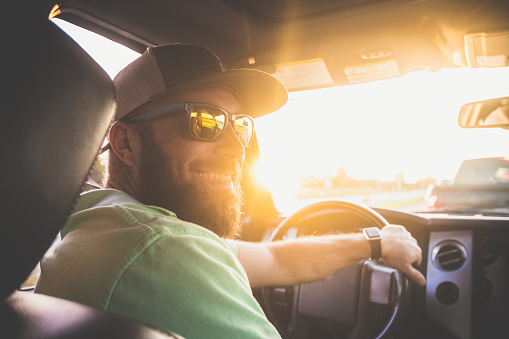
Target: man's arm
pixel 309 259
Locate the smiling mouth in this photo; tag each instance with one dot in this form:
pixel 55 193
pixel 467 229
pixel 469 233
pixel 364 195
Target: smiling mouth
pixel 216 177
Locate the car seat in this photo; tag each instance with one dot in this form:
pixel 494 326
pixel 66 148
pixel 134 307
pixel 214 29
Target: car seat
pixel 57 104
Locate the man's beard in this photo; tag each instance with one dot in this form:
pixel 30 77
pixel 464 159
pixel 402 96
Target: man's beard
pixel 219 210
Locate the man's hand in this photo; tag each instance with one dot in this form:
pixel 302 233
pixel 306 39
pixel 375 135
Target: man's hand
pixel 400 250
pixel 302 260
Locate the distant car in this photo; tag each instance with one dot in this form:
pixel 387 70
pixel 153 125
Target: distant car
pixel 481 186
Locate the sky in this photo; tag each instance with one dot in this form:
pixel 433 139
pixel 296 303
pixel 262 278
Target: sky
pixel 374 131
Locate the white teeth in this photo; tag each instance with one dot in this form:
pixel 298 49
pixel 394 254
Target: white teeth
pixel 216 177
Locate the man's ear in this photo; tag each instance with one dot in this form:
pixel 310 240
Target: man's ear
pixel 124 142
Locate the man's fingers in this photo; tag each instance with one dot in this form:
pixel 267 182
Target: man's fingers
pixel 402 251
pixel 418 260
pixel 415 275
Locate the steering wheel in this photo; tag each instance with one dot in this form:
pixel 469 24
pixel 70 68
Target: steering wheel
pixel 364 300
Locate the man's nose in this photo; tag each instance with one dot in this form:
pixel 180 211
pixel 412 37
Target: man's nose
pixel 229 144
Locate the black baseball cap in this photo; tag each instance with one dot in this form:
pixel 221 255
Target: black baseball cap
pixel 168 69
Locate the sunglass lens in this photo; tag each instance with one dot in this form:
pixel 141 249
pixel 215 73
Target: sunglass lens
pixel 244 130
pixel 206 122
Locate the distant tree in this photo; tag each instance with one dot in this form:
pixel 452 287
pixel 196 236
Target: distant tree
pixel 343 180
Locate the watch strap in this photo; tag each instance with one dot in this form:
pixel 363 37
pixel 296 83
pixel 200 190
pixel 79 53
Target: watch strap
pixel 374 237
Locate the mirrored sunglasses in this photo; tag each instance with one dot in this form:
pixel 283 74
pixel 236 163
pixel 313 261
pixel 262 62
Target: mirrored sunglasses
pixel 206 122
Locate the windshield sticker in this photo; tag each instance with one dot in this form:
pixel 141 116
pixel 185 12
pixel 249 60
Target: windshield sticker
pixel 372 72
pixel 303 74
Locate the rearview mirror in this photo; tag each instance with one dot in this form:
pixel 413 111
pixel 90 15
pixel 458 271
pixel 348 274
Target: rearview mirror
pixel 485 114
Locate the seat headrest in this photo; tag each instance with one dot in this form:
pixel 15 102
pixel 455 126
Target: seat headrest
pixel 57 108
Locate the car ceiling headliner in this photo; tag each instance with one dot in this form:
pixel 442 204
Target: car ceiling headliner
pixel 419 33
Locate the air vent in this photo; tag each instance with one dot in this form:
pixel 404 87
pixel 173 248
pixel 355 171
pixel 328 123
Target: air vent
pixel 490 257
pixel 449 255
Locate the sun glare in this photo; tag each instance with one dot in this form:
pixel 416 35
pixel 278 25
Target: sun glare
pixel 269 177
pixel 403 126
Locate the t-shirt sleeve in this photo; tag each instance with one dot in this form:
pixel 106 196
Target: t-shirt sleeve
pixel 192 286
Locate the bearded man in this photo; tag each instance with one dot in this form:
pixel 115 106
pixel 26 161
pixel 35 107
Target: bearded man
pixel 157 242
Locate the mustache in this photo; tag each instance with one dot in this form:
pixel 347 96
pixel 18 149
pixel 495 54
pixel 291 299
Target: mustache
pixel 216 166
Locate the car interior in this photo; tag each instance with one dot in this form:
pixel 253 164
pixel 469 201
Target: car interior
pixel 60 104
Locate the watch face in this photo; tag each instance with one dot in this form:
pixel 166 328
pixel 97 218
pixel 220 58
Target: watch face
pixel 372 232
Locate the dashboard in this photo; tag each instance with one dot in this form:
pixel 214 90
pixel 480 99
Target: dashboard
pixel 466 264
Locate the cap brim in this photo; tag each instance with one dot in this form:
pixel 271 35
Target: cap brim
pixel 260 93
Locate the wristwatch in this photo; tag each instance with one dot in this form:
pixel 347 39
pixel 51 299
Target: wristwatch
pixel 375 240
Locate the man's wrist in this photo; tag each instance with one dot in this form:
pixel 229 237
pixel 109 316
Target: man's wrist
pixel 374 237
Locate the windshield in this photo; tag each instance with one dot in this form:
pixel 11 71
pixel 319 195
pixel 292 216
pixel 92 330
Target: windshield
pixel 381 143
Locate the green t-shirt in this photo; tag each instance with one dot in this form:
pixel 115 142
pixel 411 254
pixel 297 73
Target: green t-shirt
pixel 141 261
